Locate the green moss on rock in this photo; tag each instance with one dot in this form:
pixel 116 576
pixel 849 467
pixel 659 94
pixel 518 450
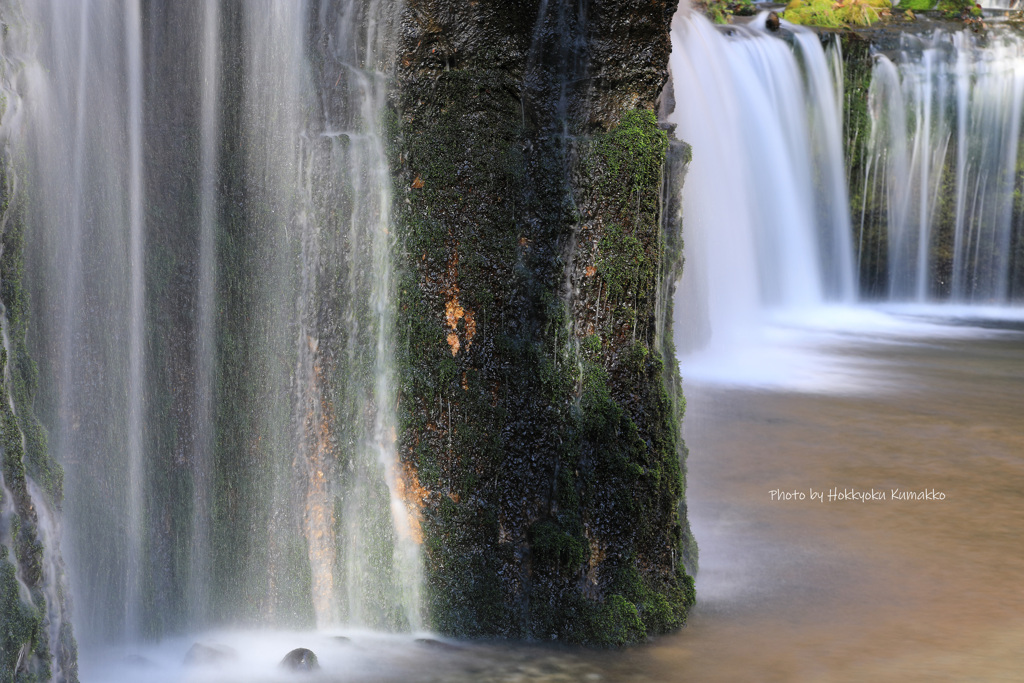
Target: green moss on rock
pixel 20 624
pixel 25 651
pixel 916 5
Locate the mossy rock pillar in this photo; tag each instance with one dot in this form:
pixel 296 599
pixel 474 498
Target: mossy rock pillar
pixel 539 402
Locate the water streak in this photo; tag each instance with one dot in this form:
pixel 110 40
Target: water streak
pixel 199 571
pixel 327 187
pixel 136 353
pixel 80 150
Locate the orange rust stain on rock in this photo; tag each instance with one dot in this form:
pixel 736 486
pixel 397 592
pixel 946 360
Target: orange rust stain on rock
pixel 470 327
pixel 413 495
pixel 453 310
pixel 319 510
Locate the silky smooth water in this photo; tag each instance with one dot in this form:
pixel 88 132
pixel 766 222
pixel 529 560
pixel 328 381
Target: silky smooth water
pixel 943 150
pixel 209 260
pixel 766 223
pixel 854 591
pixel 791 590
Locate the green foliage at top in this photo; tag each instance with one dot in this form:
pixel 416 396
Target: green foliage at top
pixel 953 9
pixel 828 14
pixel 722 11
pixel 917 5
pixel 812 13
pixel 862 12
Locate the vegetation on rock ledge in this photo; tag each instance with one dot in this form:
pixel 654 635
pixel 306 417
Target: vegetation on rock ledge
pixel 830 14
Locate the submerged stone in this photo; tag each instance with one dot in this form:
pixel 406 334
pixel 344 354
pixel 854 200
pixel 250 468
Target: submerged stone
pixel 209 653
pixel 139 661
pixel 300 659
pixel 437 644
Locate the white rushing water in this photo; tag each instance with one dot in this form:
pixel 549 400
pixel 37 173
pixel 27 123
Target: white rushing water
pixel 137 313
pixel 769 284
pixel 946 112
pixel 765 220
pixel 25 509
pixel 328 182
pixel 1001 4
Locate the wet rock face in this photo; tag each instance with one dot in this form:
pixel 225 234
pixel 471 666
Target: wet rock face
pixel 538 402
pixel 629 48
pixel 36 640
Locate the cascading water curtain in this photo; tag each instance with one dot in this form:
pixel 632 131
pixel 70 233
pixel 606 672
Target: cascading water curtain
pixel 942 175
pixel 767 224
pixel 319 128
pixel 210 265
pixel 84 250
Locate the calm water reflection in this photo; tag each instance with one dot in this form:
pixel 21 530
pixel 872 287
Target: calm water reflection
pixel 849 591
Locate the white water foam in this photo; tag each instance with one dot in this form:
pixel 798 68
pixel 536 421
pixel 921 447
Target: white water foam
pixel 342 655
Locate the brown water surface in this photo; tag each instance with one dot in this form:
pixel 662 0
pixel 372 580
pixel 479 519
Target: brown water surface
pixel 805 590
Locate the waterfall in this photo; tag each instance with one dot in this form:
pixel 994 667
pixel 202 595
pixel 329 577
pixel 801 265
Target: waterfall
pixel 84 213
pixel 208 203
pixel 766 222
pixel 943 164
pixel 209 259
pixel 935 175
pixel 326 186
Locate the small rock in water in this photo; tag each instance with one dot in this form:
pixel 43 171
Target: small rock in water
pixel 203 653
pixel 772 22
pixel 342 639
pixel 300 659
pixel 437 644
